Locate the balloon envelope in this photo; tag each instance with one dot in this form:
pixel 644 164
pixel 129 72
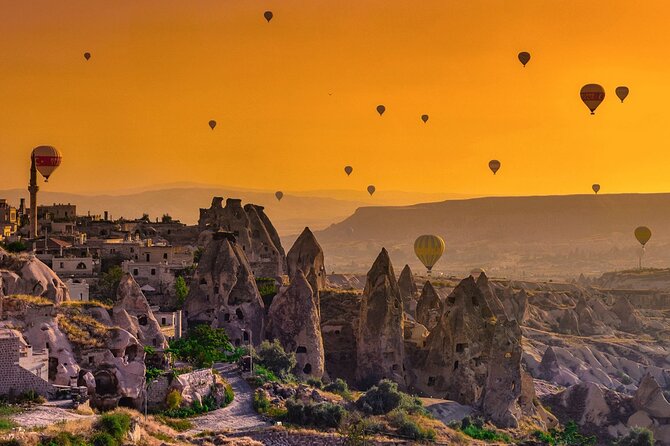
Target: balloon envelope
pixel 642 234
pixel 279 194
pixel 595 187
pixel 429 249
pixel 87 56
pixel 494 165
pixel 371 189
pixel 47 159
pixel 592 95
pixel 348 170
pixel 212 124
pixel 268 15
pixel 424 118
pixel 621 92
pixel 524 57
pixel 381 109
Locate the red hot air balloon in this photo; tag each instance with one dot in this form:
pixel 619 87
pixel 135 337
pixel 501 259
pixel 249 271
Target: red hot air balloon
pixel 47 159
pixel 592 95
pixel 268 15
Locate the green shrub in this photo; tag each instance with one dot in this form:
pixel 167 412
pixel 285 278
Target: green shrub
pixel 570 436
pixel 385 397
pixel 272 356
pixel 173 400
pixel 6 424
pixel 116 424
pixel 408 427
pixel 338 386
pixel 180 425
pixel 203 346
pixel 321 415
pixel 65 439
pixel 315 382
pixel 229 395
pixel 261 402
pixel 103 439
pixel 638 436
pixel 15 247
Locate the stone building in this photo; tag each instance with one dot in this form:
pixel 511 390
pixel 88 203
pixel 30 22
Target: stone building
pixel 253 231
pixel 22 369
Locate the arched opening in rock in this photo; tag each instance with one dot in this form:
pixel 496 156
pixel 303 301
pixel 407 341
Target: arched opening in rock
pixel 53 367
pixel 245 336
pixel 455 365
pixel 142 319
pixel 307 369
pixel 301 349
pixel 239 314
pixel 105 382
pixel 131 352
pixel 203 281
pixel 127 401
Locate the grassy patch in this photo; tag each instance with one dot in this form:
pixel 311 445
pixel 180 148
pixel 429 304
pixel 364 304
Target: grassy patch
pixel 482 433
pixel 6 424
pixel 86 305
pixel 32 300
pixel 178 424
pixel 83 330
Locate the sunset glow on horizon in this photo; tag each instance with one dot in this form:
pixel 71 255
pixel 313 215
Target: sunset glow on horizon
pixel 295 99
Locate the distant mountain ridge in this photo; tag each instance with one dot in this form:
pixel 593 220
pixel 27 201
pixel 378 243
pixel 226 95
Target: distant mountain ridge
pixel 536 235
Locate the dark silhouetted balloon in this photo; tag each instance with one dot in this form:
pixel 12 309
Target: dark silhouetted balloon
pixel 592 95
pixel 87 56
pixel 212 124
pixel 596 187
pixel 642 234
pixel 348 170
pixel 494 165
pixel 268 15
pixel 371 189
pixel 47 159
pixel 279 194
pixel 424 118
pixel 381 109
pixel 524 57
pixel 622 92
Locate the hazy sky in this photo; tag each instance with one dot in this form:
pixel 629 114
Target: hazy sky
pixel 137 112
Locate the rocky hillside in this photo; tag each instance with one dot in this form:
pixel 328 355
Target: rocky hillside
pixel 549 236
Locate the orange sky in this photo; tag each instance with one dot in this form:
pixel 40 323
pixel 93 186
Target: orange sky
pixel 136 114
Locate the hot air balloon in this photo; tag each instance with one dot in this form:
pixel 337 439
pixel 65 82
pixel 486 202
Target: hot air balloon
pixel 371 189
pixel 268 15
pixel 596 188
pixel 212 124
pixel 494 165
pixel 424 118
pixel 87 55
pixel 592 95
pixel 524 57
pixel 621 92
pixel 381 109
pixel 429 249
pixel 348 170
pixel 279 194
pixel 47 159
pixel 642 234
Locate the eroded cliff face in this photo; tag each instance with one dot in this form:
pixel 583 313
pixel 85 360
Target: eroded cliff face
pixel 294 320
pixel 306 255
pixel 254 233
pixel 380 346
pixel 408 290
pixel 223 292
pixel 429 307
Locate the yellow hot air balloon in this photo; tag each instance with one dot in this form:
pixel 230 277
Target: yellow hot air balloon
pixel 592 95
pixel 642 234
pixel 429 249
pixel 47 159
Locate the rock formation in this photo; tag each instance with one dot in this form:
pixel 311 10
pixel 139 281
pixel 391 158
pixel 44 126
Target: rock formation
pixel 252 229
pixel 306 255
pixel 429 307
pixel 473 356
pixel 26 274
pixel 132 313
pixel 630 318
pixel 380 347
pixel 408 290
pixel 294 320
pixel 223 292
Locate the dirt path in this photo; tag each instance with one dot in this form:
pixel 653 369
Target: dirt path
pixel 46 414
pixel 238 415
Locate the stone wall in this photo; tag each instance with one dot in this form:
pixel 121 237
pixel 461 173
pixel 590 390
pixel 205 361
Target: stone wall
pixel 14 379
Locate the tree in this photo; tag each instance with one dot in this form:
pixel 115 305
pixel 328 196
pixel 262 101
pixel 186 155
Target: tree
pixel 203 346
pixel 638 436
pixel 17 246
pixel 272 356
pixel 109 284
pixel 166 218
pixel 181 291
